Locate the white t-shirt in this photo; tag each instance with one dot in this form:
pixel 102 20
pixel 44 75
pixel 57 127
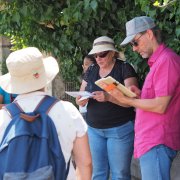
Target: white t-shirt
pixel 66 117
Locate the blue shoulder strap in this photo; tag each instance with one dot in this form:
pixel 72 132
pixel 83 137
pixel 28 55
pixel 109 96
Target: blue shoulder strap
pixel 13 109
pixel 44 106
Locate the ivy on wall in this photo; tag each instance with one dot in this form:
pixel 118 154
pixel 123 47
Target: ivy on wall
pixel 67 28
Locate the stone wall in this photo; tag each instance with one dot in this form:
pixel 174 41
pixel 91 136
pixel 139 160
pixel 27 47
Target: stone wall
pixel 5 46
pixel 4 49
pixel 58 88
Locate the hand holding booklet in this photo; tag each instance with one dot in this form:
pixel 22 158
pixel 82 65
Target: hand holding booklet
pixel 83 94
pixel 112 83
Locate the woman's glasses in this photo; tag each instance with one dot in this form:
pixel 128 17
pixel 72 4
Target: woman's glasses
pixel 135 42
pixel 101 55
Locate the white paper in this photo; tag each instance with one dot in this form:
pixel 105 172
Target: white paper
pixel 83 94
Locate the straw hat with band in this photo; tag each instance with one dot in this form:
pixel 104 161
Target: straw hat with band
pixel 28 71
pixel 103 43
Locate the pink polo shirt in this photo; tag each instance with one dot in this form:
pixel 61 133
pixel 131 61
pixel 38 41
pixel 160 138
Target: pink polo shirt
pixel 163 79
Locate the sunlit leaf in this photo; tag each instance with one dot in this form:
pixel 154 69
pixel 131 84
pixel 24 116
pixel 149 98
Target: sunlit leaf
pixel 156 3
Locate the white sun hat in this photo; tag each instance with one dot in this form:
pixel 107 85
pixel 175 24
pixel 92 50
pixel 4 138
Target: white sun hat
pixel 103 43
pixel 28 71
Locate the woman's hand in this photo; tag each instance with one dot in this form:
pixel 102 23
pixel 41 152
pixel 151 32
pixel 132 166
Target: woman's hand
pixel 81 102
pixel 100 96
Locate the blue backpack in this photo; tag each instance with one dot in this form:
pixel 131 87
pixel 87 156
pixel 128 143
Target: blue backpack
pixel 30 148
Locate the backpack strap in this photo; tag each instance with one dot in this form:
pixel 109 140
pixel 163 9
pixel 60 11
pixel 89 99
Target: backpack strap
pixel 46 104
pixel 13 109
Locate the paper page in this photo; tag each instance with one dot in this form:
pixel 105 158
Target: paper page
pixel 83 94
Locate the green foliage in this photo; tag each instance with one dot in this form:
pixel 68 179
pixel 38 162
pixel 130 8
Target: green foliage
pixel 66 29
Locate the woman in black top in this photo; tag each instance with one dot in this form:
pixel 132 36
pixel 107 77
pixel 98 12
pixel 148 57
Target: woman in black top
pixel 110 124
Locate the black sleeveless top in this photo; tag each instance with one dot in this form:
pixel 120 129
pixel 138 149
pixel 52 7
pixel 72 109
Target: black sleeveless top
pixel 106 114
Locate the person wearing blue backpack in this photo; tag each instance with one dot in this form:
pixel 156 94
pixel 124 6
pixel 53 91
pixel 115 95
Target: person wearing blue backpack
pixel 38 133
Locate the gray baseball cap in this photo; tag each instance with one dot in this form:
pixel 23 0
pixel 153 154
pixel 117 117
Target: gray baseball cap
pixel 137 25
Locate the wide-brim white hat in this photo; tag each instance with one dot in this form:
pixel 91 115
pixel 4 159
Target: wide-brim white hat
pixel 28 71
pixel 103 43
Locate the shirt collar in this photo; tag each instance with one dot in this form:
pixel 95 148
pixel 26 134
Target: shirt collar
pixel 156 54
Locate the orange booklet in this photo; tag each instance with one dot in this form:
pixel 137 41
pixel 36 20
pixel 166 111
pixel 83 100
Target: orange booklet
pixel 112 83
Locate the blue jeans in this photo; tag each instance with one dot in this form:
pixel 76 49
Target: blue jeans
pixel 111 151
pixel 156 163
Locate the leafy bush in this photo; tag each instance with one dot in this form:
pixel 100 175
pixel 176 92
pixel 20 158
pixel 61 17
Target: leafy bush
pixel 67 28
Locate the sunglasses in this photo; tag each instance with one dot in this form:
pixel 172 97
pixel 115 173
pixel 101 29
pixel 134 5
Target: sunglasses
pixel 101 55
pixel 135 42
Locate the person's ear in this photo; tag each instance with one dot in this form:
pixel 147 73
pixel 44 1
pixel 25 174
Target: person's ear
pixel 150 34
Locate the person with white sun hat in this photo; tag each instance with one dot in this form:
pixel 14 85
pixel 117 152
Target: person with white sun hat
pixel 29 73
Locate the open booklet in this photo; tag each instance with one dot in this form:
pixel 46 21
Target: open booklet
pixel 111 82
pixel 83 94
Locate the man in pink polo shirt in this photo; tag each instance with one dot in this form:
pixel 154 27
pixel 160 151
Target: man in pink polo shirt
pixel 157 125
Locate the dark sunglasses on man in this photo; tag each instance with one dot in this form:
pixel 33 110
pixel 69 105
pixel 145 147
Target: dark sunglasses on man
pixel 135 42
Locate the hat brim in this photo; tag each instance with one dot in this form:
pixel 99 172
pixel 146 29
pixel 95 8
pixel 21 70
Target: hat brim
pixel 21 85
pixel 99 49
pixel 128 39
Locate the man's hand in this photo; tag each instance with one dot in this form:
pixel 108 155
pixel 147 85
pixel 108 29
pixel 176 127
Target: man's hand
pixel 136 90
